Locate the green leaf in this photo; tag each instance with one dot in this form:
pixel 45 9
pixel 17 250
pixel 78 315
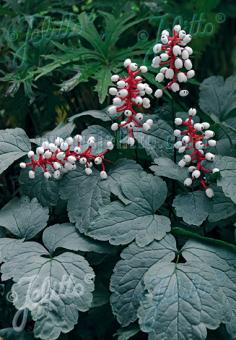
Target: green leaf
pixel 222 207
pixel 102 136
pixel 158 141
pixel 165 167
pixel 122 171
pixel 218 97
pixel 14 144
pixel 11 334
pixel 223 262
pixel 53 289
pixel 172 299
pixel 67 236
pixel 103 77
pixel 127 279
pixel 46 191
pixel 180 302
pixel 121 224
pixel 84 195
pixel 227 180
pixel 127 333
pixel 24 218
pixel 62 130
pixel 193 207
pixel 102 115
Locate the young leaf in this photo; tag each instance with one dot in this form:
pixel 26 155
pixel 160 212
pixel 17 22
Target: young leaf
pixel 67 236
pixel 103 77
pixel 53 289
pixel 24 218
pixel 14 144
pixel 126 281
pixel 102 115
pixel 193 207
pixel 121 224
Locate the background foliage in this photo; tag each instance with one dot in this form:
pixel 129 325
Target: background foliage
pixel 56 59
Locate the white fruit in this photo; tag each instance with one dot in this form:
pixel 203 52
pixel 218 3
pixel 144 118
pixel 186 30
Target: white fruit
pixel 190 74
pixel 192 112
pixel 209 134
pixel 139 116
pixel 88 171
pixel 127 62
pixel 158 93
pixel 212 142
pixel 149 122
pixel 110 145
pixel 196 174
pixel 182 149
pixel 188 64
pixel 183 93
pixel 22 165
pixel 143 69
pixel 178 144
pixel 31 174
pixel 103 175
pixel 169 74
pixel 175 87
pixel 157 48
pixel 30 154
pixel 123 93
pixel 98 160
pixel 114 126
pixel 205 125
pixel 178 121
pixel 113 91
pixel 133 66
pixel 188 182
pixel 209 192
pixel 210 156
pixel 47 175
pixel 178 63
pixel 131 141
pixel 177 50
pixel 83 160
pixel 182 163
pixel 159 77
pixel 177 133
pixel 181 77
pixel 115 78
pixel 187 158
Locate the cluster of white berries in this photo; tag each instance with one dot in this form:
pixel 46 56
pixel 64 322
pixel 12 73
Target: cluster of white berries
pixel 174 62
pixel 194 141
pixel 130 92
pixel 61 156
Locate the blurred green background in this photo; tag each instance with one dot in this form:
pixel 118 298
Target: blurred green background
pixel 56 59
